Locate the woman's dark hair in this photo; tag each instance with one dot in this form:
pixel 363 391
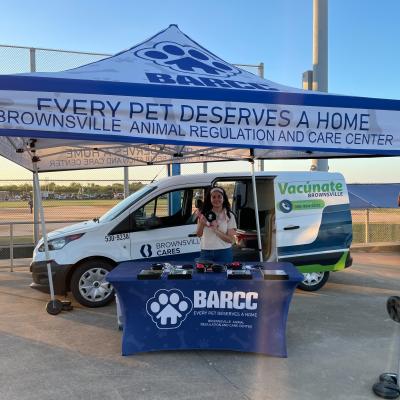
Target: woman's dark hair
pixel 207 206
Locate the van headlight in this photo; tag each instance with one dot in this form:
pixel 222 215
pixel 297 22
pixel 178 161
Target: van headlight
pixel 59 243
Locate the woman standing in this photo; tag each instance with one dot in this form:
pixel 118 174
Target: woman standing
pixel 216 235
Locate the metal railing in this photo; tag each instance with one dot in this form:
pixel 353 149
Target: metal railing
pixel 377 225
pixel 32 59
pixel 25 242
pixel 17 59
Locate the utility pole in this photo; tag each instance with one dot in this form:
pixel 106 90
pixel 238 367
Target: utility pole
pixel 126 182
pixel 320 60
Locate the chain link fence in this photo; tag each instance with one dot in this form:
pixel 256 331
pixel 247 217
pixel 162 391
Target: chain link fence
pixel 64 201
pixel 18 59
pixel 376 225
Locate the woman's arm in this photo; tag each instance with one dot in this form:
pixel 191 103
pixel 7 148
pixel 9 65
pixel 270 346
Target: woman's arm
pixel 200 225
pixel 228 237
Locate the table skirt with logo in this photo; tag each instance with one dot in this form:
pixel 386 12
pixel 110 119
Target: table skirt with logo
pixel 207 312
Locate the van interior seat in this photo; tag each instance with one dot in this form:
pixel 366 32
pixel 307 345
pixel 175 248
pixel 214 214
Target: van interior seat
pixel 247 222
pixel 247 219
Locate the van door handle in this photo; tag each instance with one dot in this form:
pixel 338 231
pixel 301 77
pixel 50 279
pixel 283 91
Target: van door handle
pixel 291 227
pixel 192 235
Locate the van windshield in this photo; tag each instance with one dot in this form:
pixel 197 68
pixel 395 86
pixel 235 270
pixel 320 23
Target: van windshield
pixel 126 203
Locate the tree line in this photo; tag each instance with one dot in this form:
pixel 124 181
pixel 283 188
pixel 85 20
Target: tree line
pixel 74 188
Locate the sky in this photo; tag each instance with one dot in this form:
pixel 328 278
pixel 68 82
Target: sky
pixel 363 51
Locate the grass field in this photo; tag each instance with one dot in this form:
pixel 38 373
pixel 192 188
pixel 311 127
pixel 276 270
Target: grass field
pixel 384 224
pixel 18 240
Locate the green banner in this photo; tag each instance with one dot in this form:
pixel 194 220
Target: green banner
pixel 307 204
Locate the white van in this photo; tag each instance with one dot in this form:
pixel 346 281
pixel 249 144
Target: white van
pixel 304 218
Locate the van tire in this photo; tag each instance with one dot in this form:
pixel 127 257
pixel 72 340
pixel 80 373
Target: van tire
pixel 313 281
pixel 88 284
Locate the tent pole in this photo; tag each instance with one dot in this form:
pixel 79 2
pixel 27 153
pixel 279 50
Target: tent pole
pixel 253 181
pixel 35 213
pixel 43 224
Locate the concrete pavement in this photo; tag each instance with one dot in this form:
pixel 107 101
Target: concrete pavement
pixel 339 340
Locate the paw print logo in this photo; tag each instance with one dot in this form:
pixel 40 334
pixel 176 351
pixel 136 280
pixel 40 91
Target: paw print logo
pixel 168 308
pixel 187 59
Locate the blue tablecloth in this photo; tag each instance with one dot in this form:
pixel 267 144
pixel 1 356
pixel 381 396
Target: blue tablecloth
pixel 208 311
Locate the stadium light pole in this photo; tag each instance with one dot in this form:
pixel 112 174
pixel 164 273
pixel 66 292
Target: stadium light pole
pixel 260 70
pixel 320 61
pixel 126 182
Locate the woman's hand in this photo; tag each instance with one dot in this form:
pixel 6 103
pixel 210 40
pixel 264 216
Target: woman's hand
pixel 214 227
pixel 201 223
pixel 202 220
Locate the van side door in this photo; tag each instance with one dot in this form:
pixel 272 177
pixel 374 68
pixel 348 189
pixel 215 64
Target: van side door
pixel 164 228
pixel 313 220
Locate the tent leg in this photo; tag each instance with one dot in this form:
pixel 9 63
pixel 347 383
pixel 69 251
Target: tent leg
pixel 54 306
pixel 253 181
pixel 35 213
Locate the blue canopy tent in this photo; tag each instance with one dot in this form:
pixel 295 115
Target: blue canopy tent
pixel 169 100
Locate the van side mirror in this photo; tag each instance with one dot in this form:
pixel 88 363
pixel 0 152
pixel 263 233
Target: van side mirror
pixel 153 222
pixel 198 203
pixel 138 213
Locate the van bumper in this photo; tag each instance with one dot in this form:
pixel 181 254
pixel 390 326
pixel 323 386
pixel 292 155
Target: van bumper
pixel 59 274
pixel 335 261
pixel 349 260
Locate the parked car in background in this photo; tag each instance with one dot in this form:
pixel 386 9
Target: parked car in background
pixel 118 196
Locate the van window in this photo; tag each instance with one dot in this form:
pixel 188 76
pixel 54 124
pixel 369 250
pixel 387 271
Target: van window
pixel 168 209
pixel 119 208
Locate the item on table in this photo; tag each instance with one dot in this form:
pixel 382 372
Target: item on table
pixel 179 274
pixel 251 267
pixel 157 266
pixel 275 274
pixel 217 268
pixel 238 274
pixel 202 265
pixel 146 274
pixel 234 265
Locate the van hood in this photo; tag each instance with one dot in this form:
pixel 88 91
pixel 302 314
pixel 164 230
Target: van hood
pixel 80 227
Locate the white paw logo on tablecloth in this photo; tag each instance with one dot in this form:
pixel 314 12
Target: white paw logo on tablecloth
pixel 168 308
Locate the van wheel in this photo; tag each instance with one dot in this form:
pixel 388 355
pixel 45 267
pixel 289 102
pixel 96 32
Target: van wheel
pixel 89 286
pixel 313 281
